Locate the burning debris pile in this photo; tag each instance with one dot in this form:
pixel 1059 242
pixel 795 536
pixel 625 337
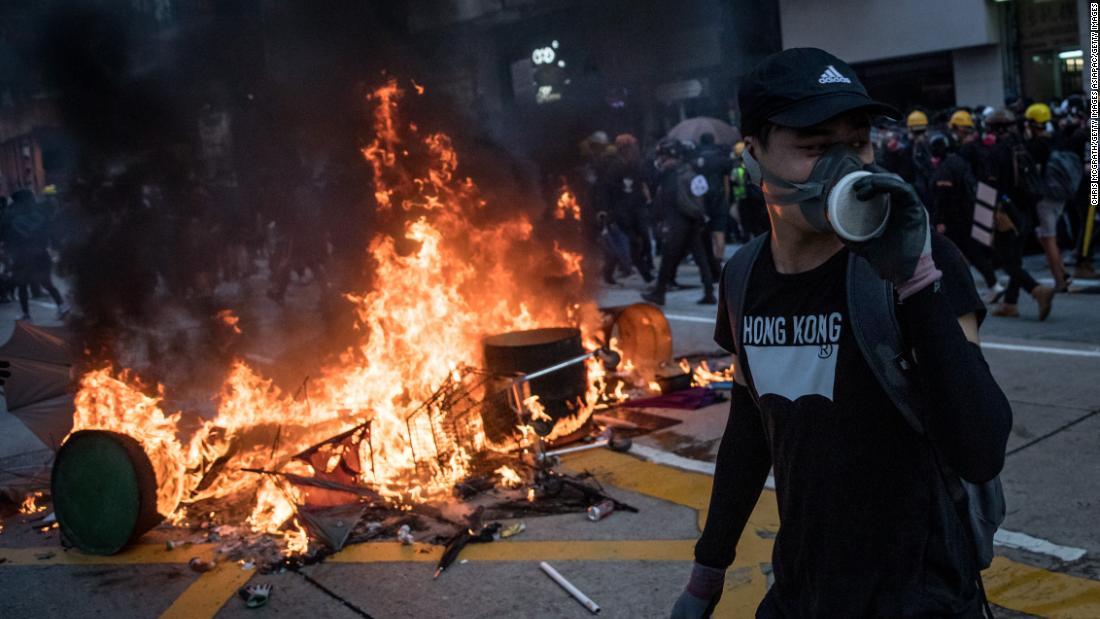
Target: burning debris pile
pixel 477 347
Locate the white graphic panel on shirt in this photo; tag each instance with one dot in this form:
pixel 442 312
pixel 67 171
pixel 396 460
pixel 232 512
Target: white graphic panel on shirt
pixel 792 356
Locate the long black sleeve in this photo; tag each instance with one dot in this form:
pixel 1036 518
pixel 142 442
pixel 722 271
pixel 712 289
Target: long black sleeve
pixel 971 417
pixel 739 474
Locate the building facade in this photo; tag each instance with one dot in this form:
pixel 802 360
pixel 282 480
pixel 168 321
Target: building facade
pixel 944 53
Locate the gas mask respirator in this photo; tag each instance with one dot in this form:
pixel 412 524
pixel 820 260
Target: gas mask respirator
pixel 827 199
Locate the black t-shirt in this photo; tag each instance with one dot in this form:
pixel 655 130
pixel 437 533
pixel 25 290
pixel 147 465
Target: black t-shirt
pixel 867 528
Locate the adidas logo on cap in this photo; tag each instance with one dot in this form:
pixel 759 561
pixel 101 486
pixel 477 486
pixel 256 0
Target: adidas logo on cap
pixel 832 76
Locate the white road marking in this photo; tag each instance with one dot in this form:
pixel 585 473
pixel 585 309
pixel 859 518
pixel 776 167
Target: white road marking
pixel 682 318
pixel 1048 350
pixel 1077 283
pixel 661 456
pixel 1005 538
pixel 1023 541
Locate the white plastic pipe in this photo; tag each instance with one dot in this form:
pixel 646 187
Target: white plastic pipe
pixel 585 601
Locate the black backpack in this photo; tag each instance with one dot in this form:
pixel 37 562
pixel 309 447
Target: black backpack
pixel 871 306
pixel 1028 175
pixel 687 203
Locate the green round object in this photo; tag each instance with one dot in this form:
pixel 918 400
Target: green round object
pixel 104 491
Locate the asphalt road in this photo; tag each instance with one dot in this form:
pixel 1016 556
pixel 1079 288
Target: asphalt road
pixel 634 565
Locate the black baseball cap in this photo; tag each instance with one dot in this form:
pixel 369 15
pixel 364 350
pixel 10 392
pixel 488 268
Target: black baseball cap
pixel 801 87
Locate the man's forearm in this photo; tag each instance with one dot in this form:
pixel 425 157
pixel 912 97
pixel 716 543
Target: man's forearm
pixel 970 416
pixel 739 473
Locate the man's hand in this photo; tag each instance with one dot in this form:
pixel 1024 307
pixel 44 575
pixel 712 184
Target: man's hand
pixel 902 255
pixel 689 606
pixel 703 591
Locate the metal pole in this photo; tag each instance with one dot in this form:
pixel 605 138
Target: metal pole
pixel 554 368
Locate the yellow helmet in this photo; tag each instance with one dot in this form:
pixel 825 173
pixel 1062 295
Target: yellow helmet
pixel 738 148
pixel 1038 112
pixel 961 118
pixel 917 120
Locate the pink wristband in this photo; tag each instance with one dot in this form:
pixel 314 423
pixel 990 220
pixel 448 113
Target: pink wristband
pixel 925 274
pixel 705 582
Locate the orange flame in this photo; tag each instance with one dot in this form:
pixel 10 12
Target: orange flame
pixel 567 206
pixel 703 375
pixel 452 277
pixel 31 505
pixel 229 319
pixel 509 478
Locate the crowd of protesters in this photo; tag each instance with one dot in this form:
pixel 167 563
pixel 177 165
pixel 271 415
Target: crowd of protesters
pixel 683 199
pixel 690 199
pixel 1031 157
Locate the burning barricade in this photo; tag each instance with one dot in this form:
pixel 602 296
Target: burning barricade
pixel 478 348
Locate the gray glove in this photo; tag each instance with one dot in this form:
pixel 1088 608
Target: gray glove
pixel 902 255
pixel 703 591
pixel 690 607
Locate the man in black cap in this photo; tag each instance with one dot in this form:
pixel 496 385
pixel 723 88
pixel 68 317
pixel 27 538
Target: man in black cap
pixel 868 526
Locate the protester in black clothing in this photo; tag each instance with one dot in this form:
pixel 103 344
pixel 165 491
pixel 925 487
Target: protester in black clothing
pixel 954 185
pixel 754 212
pixel 918 159
pixel 1007 165
pixel 627 198
pixel 713 161
pixel 25 230
pixel 891 155
pixel 682 222
pixel 868 528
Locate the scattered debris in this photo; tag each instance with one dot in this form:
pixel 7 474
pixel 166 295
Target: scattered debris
pixel 512 530
pixel 465 536
pixel 42 556
pixel 404 535
pixel 255 596
pixel 585 601
pixel 198 565
pixel 601 510
pixel 48 522
pixel 333 525
pixel 686 399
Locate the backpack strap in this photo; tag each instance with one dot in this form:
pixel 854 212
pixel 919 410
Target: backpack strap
pixel 871 311
pixel 735 282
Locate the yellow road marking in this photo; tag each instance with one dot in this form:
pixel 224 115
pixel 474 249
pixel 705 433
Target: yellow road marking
pixel 1041 592
pixel 209 592
pixel 516 550
pixel 1009 584
pixel 134 555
